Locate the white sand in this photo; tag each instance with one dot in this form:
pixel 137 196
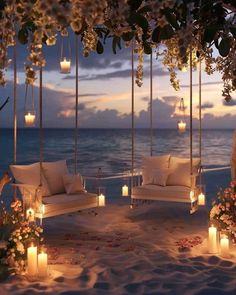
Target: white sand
pixel 123 251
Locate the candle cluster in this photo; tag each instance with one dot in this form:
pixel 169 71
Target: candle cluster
pixel 217 243
pixel 37 263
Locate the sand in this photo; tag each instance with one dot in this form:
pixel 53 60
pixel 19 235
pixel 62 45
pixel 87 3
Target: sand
pixel 118 250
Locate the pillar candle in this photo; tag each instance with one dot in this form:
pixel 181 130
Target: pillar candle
pixel 32 260
pixel 30 214
pixel 65 66
pixel 42 264
pixel 201 199
pixel 125 191
pixel 224 246
pixel 212 240
pixel 29 119
pixel 182 126
pixel 101 200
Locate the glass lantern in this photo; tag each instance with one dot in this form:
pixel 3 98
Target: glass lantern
pixel 181 125
pixel 29 113
pixel 65 60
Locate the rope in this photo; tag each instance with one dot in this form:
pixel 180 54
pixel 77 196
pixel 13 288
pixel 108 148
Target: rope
pixel 76 99
pixel 191 114
pixel 200 117
pixel 41 124
pixel 14 107
pixel 151 114
pixel 132 110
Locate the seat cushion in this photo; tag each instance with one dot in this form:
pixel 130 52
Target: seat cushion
pixel 162 193
pixel 53 172
pixel 155 176
pixel 63 203
pixel 30 174
pixel 180 172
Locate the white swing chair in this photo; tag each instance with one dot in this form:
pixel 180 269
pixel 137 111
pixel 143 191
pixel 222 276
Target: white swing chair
pixel 47 186
pixel 167 177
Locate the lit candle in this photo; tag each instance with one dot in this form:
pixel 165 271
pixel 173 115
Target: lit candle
pixel 182 126
pixel 125 191
pixel 29 119
pixel 224 246
pixel 192 197
pixel 32 260
pixel 212 240
pixel 30 215
pixel 42 264
pixel 201 199
pixel 65 66
pixel 101 200
pixel 42 212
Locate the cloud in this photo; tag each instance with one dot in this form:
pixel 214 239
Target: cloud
pixel 172 99
pixel 230 103
pixel 203 83
pixel 207 105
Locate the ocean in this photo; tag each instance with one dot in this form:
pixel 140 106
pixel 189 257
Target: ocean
pixel 110 149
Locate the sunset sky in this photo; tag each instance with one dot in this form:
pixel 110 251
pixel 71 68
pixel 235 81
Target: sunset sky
pixel 105 93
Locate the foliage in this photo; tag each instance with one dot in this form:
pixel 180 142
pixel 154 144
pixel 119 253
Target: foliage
pixel 21 234
pixel 186 24
pixel 223 212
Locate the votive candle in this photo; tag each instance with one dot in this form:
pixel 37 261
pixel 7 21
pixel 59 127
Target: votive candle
pixel 125 191
pixel 201 199
pixel 101 200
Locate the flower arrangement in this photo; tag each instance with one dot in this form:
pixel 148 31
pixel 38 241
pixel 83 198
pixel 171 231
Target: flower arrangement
pixel 223 212
pixel 20 233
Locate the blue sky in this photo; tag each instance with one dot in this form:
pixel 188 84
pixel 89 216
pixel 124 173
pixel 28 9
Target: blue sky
pixel 105 93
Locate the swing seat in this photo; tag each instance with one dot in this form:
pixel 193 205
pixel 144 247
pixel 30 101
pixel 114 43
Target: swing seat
pixel 167 178
pixel 56 201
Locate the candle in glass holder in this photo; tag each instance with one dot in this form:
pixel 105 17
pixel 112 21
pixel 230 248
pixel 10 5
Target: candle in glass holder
pixel 212 240
pixel 42 264
pixel 65 66
pixel 125 191
pixel 30 215
pixel 29 119
pixel 182 126
pixel 101 200
pixel 192 196
pixel 224 246
pixel 32 260
pixel 201 199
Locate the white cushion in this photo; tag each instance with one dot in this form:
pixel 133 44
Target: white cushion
pixel 155 176
pixel 30 174
pixel 162 193
pixel 73 183
pixel 180 171
pixel 53 172
pixel 156 162
pixel 63 203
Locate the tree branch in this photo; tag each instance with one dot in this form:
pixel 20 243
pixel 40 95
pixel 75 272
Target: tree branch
pixel 3 105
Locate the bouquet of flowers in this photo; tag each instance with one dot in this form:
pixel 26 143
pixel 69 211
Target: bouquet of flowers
pixel 223 212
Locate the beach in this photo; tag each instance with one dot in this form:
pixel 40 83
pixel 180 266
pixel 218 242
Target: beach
pixel 155 248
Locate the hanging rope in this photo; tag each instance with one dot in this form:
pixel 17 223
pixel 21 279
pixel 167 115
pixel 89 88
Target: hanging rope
pixel 76 99
pixel 191 115
pixel 200 111
pixel 151 114
pixel 41 123
pixel 132 110
pixel 14 107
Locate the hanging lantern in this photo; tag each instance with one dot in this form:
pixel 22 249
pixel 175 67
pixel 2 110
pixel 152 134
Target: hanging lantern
pixel 65 61
pixel 125 191
pixel 29 115
pixel 181 125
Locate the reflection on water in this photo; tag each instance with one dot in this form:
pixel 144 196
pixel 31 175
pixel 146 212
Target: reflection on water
pixel 111 148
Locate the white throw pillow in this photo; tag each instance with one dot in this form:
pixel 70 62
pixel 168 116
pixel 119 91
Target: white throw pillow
pixel 180 171
pixel 155 176
pixel 156 162
pixel 73 184
pixel 30 174
pixel 54 172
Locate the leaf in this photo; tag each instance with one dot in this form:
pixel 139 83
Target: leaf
pixel 115 43
pixel 23 36
pixel 134 4
pixel 147 48
pixel 210 32
pixel 144 9
pixel 233 31
pixel 171 19
pixel 166 32
pixel 224 47
pixel 140 20
pixel 99 48
pixel 128 36
pixel 155 35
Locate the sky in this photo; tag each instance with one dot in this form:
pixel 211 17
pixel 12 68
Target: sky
pixel 105 93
